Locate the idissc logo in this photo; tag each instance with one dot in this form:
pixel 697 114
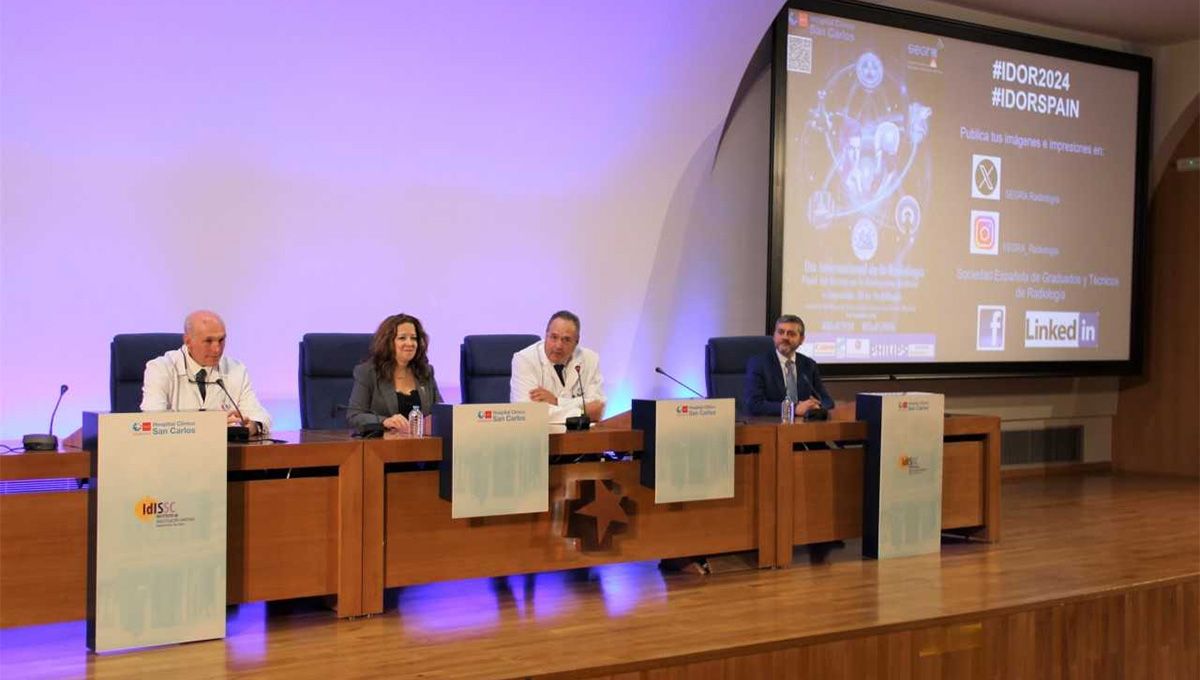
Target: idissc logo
pixel 147 507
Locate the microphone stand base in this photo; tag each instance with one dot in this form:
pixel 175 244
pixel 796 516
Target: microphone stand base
pixel 40 442
pixel 575 423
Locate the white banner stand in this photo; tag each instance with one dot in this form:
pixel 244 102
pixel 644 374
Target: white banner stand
pixel 495 458
pixel 902 473
pixel 156 528
pixel 687 448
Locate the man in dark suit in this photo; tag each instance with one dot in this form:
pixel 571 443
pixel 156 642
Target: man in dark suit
pixel 784 373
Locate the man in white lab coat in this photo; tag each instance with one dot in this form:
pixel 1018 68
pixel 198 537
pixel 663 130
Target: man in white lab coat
pixel 558 372
pixel 198 376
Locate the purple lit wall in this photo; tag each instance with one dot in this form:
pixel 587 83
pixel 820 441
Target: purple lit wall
pixel 315 166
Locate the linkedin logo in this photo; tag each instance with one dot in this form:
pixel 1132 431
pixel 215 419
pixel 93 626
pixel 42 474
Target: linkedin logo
pixel 1062 329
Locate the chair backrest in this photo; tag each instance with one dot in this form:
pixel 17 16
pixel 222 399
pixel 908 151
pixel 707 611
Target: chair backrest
pixel 128 354
pixel 327 362
pixel 725 364
pixel 485 366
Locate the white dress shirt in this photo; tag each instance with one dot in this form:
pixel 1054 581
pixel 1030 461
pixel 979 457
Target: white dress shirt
pixel 169 384
pixel 531 368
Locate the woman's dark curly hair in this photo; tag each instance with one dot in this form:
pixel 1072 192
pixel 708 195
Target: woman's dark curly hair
pixel 383 348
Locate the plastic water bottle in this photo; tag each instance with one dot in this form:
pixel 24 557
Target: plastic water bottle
pixel 787 411
pixel 416 422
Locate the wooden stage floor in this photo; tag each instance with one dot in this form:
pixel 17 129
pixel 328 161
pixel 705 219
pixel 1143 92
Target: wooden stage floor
pixel 1097 576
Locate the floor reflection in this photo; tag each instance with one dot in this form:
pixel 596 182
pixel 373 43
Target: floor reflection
pixel 245 633
pixel 65 643
pixel 450 606
pixel 443 611
pixel 472 604
pixel 626 586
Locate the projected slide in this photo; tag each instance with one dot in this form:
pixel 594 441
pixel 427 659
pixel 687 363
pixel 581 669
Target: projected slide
pixel 950 201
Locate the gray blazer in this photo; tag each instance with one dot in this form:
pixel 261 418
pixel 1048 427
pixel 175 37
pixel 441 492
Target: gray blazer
pixel 373 400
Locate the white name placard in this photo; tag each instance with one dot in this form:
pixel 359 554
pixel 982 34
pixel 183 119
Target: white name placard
pixel 157 535
pixel 902 488
pixel 498 457
pixel 689 443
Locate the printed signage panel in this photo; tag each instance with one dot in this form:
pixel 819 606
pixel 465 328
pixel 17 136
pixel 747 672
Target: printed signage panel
pixel 902 486
pixel 158 528
pixel 689 443
pixel 498 457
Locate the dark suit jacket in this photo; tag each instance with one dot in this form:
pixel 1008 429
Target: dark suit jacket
pixel 373 400
pixel 765 389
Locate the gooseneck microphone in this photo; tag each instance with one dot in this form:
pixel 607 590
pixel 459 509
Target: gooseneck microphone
pixel 817 412
pixel 582 422
pixel 678 381
pixel 235 433
pixel 45 442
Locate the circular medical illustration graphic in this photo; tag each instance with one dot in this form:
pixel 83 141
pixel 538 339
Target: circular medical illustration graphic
pixel 869 70
pixel 908 216
pixel 863 155
pixel 864 239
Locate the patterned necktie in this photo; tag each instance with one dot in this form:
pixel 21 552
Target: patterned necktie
pixel 789 377
pixel 201 383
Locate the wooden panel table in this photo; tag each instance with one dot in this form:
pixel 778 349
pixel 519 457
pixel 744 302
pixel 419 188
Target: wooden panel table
pixel 416 540
pixel 289 535
pixel 43 540
pixel 295 520
pixel 820 489
pixel 325 514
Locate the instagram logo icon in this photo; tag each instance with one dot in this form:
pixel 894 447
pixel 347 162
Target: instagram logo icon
pixel 985 232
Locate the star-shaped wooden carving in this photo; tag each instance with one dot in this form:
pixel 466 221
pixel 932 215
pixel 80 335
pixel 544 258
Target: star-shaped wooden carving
pixel 598 512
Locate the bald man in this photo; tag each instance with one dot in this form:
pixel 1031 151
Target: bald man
pixel 185 379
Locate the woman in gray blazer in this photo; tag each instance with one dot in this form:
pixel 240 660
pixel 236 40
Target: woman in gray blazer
pixel 395 377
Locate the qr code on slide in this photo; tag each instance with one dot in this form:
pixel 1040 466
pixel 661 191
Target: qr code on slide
pixel 799 56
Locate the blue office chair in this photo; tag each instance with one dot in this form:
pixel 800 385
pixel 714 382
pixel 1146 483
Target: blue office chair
pixel 725 364
pixel 326 376
pixel 485 366
pixel 128 354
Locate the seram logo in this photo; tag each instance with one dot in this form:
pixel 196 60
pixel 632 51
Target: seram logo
pixel 989 325
pixel 858 347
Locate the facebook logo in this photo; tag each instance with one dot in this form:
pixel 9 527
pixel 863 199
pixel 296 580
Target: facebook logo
pixel 989 328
